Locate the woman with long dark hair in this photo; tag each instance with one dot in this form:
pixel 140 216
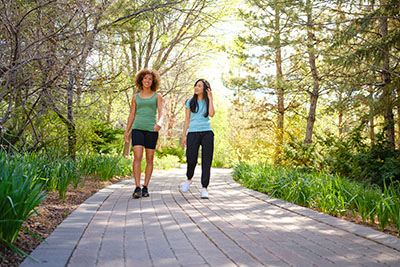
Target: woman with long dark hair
pixel 197 126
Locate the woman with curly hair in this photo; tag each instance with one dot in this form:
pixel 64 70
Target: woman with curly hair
pixel 145 106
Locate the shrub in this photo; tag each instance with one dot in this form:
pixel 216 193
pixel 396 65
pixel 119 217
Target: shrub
pixel 20 194
pixel 166 162
pixel 351 157
pixel 219 164
pixel 302 156
pixel 377 164
pixel 174 150
pixel 106 138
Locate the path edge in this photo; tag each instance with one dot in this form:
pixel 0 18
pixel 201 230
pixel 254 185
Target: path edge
pixel 357 229
pixel 58 247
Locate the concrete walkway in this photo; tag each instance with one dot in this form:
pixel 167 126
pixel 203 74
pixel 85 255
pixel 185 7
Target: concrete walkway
pixel 235 227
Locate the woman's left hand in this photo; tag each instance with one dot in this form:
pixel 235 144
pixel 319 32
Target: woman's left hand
pixel 157 127
pixel 209 93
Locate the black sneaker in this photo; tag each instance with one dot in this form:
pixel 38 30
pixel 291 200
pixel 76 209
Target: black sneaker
pixel 145 192
pixel 137 193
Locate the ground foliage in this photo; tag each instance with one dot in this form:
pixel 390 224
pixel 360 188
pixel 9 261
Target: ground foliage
pixel 330 194
pixel 50 214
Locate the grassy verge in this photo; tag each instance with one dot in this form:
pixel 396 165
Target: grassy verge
pixel 331 194
pixel 20 194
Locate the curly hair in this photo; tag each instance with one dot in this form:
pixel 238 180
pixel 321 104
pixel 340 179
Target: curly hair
pixel 155 85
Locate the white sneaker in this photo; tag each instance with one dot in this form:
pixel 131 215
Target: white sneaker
pixel 185 186
pixel 204 193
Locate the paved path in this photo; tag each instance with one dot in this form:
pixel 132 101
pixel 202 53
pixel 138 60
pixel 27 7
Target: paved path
pixel 235 227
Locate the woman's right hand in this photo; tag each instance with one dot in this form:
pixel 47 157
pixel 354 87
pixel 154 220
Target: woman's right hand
pixel 184 140
pixel 126 137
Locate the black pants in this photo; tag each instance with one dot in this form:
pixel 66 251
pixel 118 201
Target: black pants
pixel 194 141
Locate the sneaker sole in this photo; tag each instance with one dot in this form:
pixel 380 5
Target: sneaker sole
pixel 136 195
pixel 204 197
pixel 146 195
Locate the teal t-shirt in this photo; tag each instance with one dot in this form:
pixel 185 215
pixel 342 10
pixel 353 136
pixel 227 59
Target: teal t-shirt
pixel 199 123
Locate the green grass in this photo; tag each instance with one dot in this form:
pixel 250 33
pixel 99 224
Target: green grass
pixel 166 162
pixel 25 178
pixel 20 193
pixel 52 170
pixel 328 193
pixel 104 166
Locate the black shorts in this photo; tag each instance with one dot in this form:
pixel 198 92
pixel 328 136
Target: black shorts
pixel 144 138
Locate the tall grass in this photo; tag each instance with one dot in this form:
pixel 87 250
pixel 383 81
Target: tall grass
pixel 57 172
pixel 25 178
pixel 329 193
pixel 20 194
pixel 54 171
pixel 104 166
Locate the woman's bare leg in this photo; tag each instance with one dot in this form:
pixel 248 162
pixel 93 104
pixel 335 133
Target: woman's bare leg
pixel 137 162
pixel 149 165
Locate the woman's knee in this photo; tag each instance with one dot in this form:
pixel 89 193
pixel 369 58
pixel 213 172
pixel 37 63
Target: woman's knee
pixel 137 160
pixel 149 161
pixel 150 155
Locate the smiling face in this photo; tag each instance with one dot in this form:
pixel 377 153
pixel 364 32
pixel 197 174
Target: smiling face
pixel 199 88
pixel 147 81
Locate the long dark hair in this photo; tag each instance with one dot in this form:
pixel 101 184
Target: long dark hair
pixel 194 105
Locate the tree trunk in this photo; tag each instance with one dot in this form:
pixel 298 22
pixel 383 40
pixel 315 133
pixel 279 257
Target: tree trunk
pixel 398 119
pixel 70 119
pixel 311 59
pixel 372 129
pixel 12 81
pixel 109 107
pixel 109 93
pixel 387 94
pixel 48 66
pixel 127 145
pixel 171 119
pixel 79 68
pixel 279 89
pixel 11 84
pixel 340 117
pixel 398 127
pixel 132 47
pixel 149 46
pixel 371 115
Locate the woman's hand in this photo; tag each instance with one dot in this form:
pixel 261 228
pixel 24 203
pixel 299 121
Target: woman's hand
pixel 184 140
pixel 126 137
pixel 209 93
pixel 157 127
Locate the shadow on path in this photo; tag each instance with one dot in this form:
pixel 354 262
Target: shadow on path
pixel 234 227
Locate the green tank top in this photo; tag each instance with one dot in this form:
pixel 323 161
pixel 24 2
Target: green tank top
pixel 146 110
